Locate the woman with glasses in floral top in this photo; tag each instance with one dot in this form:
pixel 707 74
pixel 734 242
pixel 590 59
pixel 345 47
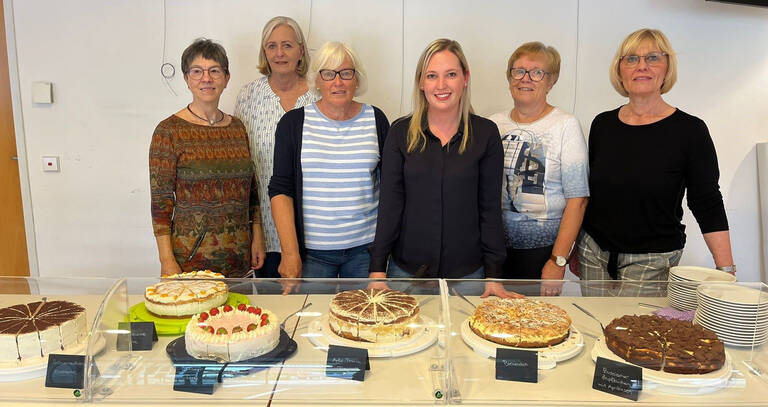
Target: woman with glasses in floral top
pixel 204 209
pixel 643 157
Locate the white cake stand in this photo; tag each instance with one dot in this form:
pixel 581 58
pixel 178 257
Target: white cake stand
pixel 548 356
pixel 30 369
pixel 674 383
pixel 425 334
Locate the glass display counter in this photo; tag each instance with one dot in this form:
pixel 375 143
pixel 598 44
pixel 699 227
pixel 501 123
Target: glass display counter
pixel 436 357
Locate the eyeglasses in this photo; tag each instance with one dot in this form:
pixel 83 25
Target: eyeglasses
pixel 330 74
pixel 652 59
pixel 535 74
pixel 215 72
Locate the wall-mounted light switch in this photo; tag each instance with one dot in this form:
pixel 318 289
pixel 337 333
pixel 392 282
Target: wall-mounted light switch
pixel 42 92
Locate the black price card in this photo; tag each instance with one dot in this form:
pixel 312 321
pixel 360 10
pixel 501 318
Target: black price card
pixel 618 378
pixel 65 371
pixel 347 363
pixel 197 379
pixel 141 334
pixel 517 365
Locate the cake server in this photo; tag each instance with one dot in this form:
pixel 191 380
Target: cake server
pixel 282 325
pixel 453 290
pixel 589 314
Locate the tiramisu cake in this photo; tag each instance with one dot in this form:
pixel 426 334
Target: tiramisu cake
pixel 657 343
pixel 373 315
pixel 31 331
pixel 520 322
pixel 183 295
pixel 232 334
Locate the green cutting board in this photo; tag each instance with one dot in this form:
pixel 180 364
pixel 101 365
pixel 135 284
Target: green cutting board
pixel 174 326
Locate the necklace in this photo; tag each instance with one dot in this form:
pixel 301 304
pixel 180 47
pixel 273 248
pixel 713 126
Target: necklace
pixel 210 121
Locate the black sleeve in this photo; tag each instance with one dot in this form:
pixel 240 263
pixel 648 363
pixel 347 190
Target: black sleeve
pixel 382 128
pixel 489 204
pixel 392 197
pixel 702 175
pixel 287 134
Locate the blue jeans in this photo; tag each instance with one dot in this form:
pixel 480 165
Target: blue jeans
pixel 344 263
pixel 468 288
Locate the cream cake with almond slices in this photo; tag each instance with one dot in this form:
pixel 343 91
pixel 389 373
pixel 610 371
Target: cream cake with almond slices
pixel 232 334
pixel 183 295
pixel 520 322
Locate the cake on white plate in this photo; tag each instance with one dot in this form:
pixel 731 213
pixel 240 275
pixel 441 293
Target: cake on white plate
pixel 232 334
pixel 373 315
pixel 29 332
pixel 183 295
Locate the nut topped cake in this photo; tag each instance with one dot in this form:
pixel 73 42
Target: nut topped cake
pixel 373 315
pixel 520 322
pixel 673 346
pixel 183 295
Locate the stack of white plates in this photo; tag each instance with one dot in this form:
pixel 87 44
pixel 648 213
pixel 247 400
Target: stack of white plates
pixel 684 280
pixel 737 314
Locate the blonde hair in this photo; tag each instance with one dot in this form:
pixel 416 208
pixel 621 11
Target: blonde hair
pixel 537 48
pixel 417 139
pixel 275 22
pixel 630 45
pixel 330 56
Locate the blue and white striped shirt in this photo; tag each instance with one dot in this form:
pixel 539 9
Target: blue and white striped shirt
pixel 340 188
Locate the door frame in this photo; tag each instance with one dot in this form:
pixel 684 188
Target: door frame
pixel 21 146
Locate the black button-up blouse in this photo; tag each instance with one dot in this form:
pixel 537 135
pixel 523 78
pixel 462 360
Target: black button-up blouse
pixel 440 211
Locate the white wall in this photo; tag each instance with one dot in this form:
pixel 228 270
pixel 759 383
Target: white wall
pixel 104 60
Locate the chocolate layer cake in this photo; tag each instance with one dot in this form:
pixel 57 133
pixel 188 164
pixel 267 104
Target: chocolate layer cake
pixel 373 315
pixel 33 330
pixel 673 346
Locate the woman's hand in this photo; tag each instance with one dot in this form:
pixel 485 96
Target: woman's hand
pixel 169 267
pixel 552 271
pixel 375 278
pixel 290 267
pixel 497 289
pixel 258 248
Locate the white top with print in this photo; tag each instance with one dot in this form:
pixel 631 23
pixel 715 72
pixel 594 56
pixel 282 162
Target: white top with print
pixel 545 162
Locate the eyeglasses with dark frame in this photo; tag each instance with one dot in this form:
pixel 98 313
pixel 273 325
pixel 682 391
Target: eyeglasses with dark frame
pixel 215 72
pixel 330 74
pixel 536 74
pixel 651 59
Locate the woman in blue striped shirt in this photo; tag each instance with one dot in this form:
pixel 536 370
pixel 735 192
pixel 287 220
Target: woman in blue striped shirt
pixel 325 184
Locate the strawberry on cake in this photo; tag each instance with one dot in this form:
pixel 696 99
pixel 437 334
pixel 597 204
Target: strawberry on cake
pixel 232 334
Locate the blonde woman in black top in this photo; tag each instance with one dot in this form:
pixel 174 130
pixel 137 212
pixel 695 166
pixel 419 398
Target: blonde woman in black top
pixel 439 211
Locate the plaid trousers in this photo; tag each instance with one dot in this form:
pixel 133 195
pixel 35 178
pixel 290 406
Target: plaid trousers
pixel 640 274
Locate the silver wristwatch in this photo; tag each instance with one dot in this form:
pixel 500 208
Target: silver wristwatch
pixel 728 269
pixel 559 260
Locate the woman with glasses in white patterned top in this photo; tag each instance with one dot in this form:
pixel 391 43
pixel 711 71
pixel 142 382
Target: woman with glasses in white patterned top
pixel 644 156
pixel 545 185
pixel 284 62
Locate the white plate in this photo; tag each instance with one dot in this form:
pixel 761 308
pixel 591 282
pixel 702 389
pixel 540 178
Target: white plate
pixel 734 295
pixel 548 356
pixel 731 337
pixel 736 319
pixel 686 384
pixel 692 273
pixel 25 370
pixel 320 334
